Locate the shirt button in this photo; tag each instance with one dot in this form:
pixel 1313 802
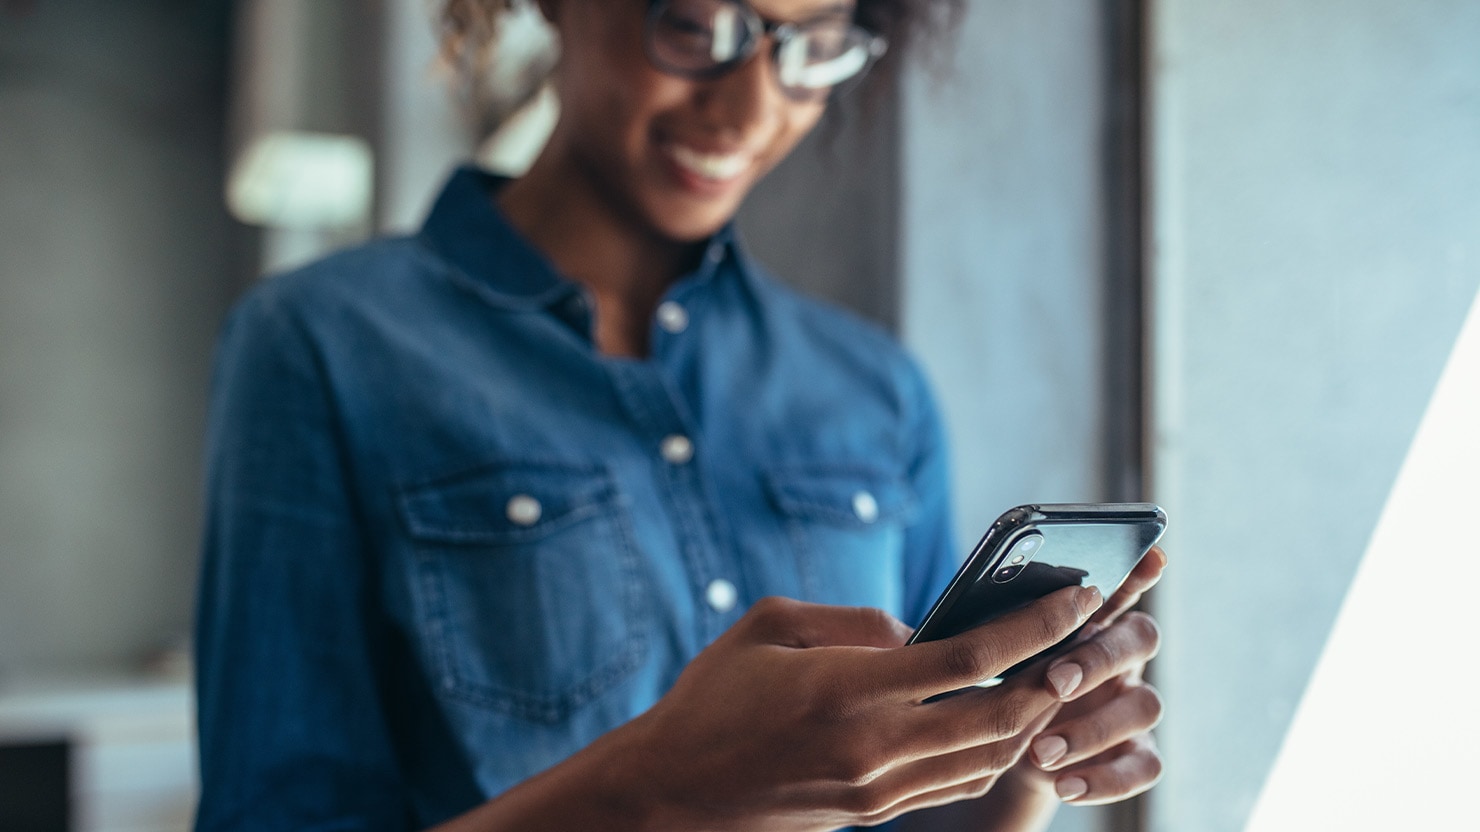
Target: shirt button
pixel 866 507
pixel 673 317
pixel 677 449
pixel 721 595
pixel 716 253
pixel 523 510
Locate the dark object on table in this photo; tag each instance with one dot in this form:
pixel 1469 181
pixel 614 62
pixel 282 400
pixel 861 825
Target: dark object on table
pixel 34 787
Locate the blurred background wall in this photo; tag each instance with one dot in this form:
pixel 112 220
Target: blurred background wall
pixel 118 260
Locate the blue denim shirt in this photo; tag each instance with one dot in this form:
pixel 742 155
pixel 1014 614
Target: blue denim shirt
pixel 448 543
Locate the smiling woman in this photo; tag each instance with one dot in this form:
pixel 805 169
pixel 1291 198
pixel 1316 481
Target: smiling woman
pixel 565 514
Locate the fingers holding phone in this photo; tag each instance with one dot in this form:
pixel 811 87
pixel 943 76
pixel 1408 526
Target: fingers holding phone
pixel 931 751
pixel 1142 578
pixel 966 774
pixel 804 716
pixel 970 717
pixel 1119 649
pixel 1122 771
pixel 1099 748
pixel 1114 712
pixel 969 658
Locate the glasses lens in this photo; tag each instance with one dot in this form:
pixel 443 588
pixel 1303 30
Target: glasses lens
pixel 706 38
pixel 698 36
pixel 819 57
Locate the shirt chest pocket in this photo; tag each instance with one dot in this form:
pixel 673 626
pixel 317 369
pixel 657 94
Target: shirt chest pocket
pixel 846 528
pixel 528 585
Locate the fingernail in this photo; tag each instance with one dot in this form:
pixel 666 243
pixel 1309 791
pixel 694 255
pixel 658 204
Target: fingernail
pixel 1088 599
pixel 1070 788
pixel 1049 750
pixel 1065 678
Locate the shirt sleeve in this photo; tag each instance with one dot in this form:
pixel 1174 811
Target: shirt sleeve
pixel 931 556
pixel 293 733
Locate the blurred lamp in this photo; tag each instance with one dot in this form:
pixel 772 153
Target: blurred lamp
pixel 299 180
pixel 522 135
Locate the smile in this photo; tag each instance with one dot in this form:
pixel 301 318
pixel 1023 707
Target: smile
pixel 715 167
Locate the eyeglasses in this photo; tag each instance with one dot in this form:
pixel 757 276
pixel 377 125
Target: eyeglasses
pixel 704 39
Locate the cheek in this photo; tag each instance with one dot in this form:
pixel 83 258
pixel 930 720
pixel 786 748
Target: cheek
pixel 604 77
pixel 613 105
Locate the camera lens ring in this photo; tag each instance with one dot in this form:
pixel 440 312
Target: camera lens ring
pixel 1020 552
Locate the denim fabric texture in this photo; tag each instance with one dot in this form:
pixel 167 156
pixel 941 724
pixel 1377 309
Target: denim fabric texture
pixel 448 543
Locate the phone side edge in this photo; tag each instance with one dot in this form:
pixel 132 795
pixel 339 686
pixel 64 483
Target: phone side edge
pixel 977 563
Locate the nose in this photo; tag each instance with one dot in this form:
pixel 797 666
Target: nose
pixel 746 99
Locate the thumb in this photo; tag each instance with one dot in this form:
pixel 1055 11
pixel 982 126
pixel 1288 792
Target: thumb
pixel 801 624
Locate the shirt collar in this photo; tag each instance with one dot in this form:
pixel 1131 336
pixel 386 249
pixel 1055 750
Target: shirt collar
pixel 468 230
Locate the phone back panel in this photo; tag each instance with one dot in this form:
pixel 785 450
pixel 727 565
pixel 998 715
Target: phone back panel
pixel 1081 545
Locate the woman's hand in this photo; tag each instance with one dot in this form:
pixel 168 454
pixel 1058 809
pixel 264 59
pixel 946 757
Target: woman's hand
pixel 808 717
pixel 1100 737
pixel 1098 748
pixel 805 717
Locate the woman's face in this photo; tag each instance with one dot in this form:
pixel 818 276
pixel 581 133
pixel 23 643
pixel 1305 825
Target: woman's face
pixel 675 155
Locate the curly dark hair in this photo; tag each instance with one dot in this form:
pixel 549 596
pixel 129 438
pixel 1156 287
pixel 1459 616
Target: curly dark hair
pixel 469 28
pixel 909 25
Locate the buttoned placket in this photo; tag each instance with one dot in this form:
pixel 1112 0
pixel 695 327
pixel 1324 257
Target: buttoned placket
pixel 657 409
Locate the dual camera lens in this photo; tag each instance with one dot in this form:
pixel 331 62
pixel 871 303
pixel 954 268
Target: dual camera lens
pixel 1018 556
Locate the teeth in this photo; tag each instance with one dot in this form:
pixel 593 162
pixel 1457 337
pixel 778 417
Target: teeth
pixel 710 166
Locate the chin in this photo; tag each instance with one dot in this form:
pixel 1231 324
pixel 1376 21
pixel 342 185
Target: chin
pixel 686 221
pixel 694 230
pixel 685 206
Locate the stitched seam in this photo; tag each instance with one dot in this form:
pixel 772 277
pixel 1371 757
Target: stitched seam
pixel 555 706
pixel 601 503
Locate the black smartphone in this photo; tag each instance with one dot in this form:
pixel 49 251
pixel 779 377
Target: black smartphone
pixel 1031 551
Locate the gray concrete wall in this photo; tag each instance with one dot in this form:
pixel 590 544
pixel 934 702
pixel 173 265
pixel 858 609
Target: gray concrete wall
pixel 114 255
pixel 1317 238
pixel 1000 251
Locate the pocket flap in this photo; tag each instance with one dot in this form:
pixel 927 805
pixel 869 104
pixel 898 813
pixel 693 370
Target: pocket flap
pixel 505 502
pixel 841 495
